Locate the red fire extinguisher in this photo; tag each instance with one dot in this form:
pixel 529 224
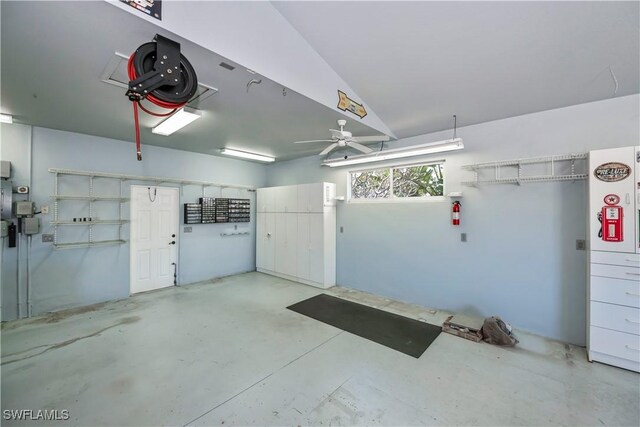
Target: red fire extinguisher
pixel 456 213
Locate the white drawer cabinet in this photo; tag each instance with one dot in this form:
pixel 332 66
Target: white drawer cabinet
pixel 615 317
pixel 615 348
pixel 616 258
pixel 615 291
pixel 615 271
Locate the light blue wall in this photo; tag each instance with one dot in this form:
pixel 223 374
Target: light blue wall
pixel 520 260
pixel 76 277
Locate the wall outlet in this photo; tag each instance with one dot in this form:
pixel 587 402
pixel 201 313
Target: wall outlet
pixel 463 237
pixel 188 229
pixel 47 238
pixel 341 229
pixel 581 245
pixel 44 209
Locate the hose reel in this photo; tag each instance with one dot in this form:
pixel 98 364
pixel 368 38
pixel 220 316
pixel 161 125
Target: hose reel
pixel 159 73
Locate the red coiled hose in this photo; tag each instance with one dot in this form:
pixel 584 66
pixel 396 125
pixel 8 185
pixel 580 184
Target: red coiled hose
pixel 162 104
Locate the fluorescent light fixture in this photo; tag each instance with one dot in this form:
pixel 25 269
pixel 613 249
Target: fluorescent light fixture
pixel 245 155
pixel 177 121
pixel 398 153
pixel 6 118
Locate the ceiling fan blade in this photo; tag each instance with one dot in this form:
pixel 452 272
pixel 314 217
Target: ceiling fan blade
pixel 379 138
pixel 359 147
pixel 314 140
pixel 329 148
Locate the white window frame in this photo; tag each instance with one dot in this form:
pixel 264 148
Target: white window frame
pixel 393 198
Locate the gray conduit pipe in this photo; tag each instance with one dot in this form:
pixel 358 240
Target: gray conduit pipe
pixel 29 276
pixel 18 245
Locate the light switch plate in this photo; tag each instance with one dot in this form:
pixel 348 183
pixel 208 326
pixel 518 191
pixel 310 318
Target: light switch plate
pixel 188 229
pixel 47 238
pixel 581 245
pixel 44 209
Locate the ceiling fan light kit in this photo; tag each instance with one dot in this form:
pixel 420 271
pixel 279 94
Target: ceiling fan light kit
pixel 246 155
pixel 177 121
pixel 398 153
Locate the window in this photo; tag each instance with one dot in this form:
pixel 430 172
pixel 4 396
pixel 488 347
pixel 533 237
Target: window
pixel 414 182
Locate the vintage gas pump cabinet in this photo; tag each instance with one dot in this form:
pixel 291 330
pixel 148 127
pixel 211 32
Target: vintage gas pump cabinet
pixel 613 294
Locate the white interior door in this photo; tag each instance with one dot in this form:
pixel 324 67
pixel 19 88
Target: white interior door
pixel 154 237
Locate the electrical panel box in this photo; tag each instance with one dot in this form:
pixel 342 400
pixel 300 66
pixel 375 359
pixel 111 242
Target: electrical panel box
pixel 4 228
pixel 23 209
pixel 31 225
pixel 6 199
pixel 5 169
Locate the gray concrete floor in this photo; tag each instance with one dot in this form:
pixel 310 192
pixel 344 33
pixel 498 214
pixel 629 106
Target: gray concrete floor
pixel 227 352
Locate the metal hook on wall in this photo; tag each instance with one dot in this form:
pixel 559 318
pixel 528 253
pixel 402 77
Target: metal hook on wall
pixel 252 81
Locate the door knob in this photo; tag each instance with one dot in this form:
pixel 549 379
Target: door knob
pixel 173 235
pixel 172 243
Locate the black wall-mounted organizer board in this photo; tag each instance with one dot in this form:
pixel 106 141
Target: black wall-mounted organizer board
pixel 192 213
pixel 217 210
pixel 239 210
pixel 208 209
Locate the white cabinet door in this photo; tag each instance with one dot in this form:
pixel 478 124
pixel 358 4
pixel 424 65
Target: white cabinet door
pixel 266 200
pixel 606 167
pixel 286 243
pixel 261 231
pixel 303 246
pixel 265 241
pixel 316 247
pixel 287 198
pixel 304 197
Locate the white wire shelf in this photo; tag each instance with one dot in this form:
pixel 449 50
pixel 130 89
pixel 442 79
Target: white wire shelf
pixel 144 178
pixel 527 161
pixel 99 222
pixel 91 198
pixel 528 179
pixel 74 245
pixel 567 167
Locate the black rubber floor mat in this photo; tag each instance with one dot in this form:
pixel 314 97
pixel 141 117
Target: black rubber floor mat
pixel 391 330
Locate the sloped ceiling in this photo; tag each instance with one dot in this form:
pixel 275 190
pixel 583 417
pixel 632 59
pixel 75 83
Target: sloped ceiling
pixel 54 54
pixel 414 63
pixel 418 63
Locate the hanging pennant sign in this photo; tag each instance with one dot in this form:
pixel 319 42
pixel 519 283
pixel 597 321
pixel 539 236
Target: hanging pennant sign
pixel 150 7
pixel 612 172
pixel 347 104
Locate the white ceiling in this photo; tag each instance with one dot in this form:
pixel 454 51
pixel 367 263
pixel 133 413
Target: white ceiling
pixel 414 63
pixel 418 63
pixel 54 54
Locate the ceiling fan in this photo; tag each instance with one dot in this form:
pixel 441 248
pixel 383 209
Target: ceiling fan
pixel 342 138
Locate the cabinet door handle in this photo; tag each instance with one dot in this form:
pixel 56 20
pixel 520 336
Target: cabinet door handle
pixel 268 234
pixel 632 294
pixel 632 348
pixel 632 321
pixel 630 260
pixel 633 274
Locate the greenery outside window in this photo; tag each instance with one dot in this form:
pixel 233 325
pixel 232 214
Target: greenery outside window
pixel 398 183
